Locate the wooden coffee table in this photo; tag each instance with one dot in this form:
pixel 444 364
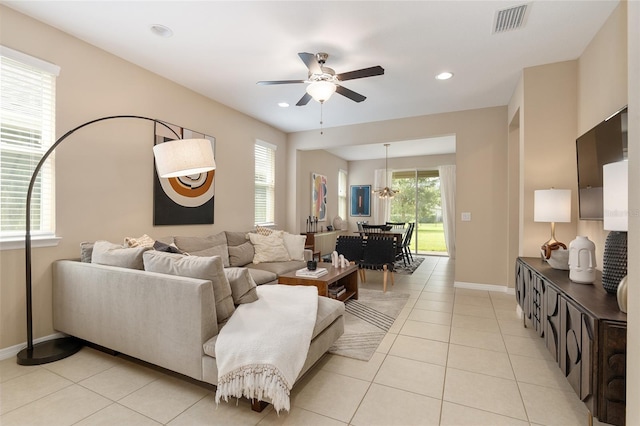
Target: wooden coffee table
pixel 336 276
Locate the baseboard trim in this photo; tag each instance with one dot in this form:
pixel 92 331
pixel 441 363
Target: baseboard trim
pixel 12 351
pixel 484 287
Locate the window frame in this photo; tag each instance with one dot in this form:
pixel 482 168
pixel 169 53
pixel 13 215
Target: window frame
pixel 22 67
pixel 269 182
pixel 343 194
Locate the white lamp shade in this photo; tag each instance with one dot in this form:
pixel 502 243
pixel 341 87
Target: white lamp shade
pixel 552 205
pixel 321 90
pixel 615 177
pixel 183 157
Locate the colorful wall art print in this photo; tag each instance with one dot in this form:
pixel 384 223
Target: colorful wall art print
pixel 319 196
pixel 185 200
pixel 361 200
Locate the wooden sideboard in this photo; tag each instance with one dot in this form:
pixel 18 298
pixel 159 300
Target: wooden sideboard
pixel 322 243
pixel 583 329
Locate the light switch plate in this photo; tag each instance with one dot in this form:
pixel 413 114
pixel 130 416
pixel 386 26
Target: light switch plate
pixel 466 217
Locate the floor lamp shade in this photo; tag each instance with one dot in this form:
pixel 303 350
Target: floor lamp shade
pixel 616 219
pixel 183 157
pixel 177 158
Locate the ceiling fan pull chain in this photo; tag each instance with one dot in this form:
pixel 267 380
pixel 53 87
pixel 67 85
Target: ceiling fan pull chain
pixel 321 122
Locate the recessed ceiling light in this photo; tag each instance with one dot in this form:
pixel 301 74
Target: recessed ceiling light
pixel 161 30
pixel 283 104
pixel 444 75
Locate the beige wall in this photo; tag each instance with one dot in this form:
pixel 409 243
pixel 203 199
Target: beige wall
pixel 104 172
pixel 481 153
pixel 633 309
pixel 324 163
pixel 602 90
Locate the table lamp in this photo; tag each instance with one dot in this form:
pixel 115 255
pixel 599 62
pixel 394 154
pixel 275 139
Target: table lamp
pixel 616 220
pixel 553 205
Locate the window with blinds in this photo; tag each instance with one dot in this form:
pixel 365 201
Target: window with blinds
pixel 27 130
pixel 342 194
pixel 265 183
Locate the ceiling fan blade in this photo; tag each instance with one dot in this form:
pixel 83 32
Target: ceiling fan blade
pixel 365 72
pixel 266 83
pixel 354 96
pixel 311 62
pixel 304 100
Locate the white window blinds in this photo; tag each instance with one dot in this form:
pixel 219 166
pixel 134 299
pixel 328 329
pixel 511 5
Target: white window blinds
pixel 342 194
pixel 27 130
pixel 265 183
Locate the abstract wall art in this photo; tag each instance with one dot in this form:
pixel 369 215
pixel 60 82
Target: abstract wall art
pixel 360 200
pixel 319 196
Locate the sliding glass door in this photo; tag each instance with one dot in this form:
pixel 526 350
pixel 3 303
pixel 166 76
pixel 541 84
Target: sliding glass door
pixel 419 201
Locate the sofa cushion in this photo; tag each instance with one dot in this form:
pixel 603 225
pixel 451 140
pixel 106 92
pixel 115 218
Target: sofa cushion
pixel 269 248
pixel 235 238
pixel 106 253
pixel 295 245
pixel 328 311
pixel 241 255
pixel 278 268
pixel 207 268
pixel 211 245
pixel 261 276
pixel 243 287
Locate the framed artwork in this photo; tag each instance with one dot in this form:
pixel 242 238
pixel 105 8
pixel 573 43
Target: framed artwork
pixel 360 200
pixel 319 196
pixel 185 200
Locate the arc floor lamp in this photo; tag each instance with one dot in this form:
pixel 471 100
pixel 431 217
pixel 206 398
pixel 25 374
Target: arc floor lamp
pixel 180 157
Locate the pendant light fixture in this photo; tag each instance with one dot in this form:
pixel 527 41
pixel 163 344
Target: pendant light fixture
pixel 386 192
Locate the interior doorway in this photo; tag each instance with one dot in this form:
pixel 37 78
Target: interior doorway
pixel 419 201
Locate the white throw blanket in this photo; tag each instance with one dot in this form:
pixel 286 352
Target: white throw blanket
pixel 263 346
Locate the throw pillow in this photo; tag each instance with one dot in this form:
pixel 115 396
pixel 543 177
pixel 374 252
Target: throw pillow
pixel 243 287
pixel 106 253
pixel 144 241
pixel 263 230
pixel 168 248
pixel 241 255
pixel 86 250
pixel 295 245
pixel 195 245
pixel 269 248
pixel 220 250
pixel 205 268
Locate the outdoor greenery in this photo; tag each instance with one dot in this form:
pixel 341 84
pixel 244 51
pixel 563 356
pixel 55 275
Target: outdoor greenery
pixel 425 193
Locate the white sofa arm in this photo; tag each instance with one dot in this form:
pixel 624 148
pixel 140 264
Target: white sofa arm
pixel 161 319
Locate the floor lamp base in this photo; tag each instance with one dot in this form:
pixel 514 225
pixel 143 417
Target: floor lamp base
pixel 49 351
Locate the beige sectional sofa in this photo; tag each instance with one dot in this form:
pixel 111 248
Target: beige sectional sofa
pixel 168 320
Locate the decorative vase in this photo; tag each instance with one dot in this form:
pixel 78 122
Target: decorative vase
pixel 582 260
pixel 614 261
pixel 622 294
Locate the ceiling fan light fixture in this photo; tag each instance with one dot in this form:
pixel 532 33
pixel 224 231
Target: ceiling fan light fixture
pixel 321 90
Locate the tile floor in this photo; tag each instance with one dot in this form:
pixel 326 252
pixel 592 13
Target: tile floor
pixel 453 357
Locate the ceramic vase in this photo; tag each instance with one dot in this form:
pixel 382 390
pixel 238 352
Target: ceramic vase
pixel 582 260
pixel 622 294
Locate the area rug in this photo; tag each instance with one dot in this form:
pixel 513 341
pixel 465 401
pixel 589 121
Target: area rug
pixel 400 268
pixel 367 320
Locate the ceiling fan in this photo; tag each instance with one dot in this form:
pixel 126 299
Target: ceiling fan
pixel 323 81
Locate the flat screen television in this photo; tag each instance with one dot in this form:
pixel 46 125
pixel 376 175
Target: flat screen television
pixel 605 143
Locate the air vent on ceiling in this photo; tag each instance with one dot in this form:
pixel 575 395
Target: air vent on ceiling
pixel 509 19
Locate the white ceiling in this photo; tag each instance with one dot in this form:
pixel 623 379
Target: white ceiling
pixel 222 48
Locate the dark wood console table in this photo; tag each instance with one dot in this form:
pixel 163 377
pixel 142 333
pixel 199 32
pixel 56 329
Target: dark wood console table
pixel 583 329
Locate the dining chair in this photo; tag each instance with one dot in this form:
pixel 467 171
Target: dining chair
pixel 380 254
pixel 372 229
pixel 406 243
pixel 351 247
pixel 396 226
pixel 360 224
